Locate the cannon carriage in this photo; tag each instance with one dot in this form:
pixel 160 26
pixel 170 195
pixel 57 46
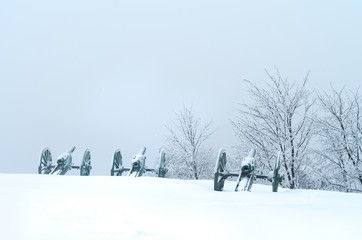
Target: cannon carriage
pixel 247 174
pixel 64 163
pixel 138 165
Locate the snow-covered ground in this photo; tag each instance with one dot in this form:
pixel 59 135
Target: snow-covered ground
pixel 101 207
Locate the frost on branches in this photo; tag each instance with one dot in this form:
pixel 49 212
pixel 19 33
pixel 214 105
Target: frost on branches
pixel 278 119
pixel 340 134
pixel 188 155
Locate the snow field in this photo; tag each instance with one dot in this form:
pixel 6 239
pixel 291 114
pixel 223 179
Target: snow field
pixel 104 207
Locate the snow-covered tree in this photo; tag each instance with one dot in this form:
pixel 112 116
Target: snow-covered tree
pixel 340 132
pixel 188 155
pixel 280 118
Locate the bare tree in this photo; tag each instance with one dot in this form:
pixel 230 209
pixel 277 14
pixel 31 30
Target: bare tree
pixel 279 119
pixel 188 154
pixel 340 133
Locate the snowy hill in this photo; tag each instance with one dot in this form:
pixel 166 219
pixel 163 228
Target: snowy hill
pixel 97 207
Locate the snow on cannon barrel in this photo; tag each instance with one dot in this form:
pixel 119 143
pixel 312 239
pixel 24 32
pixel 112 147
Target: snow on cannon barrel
pixel 248 163
pixel 247 173
pixel 138 165
pixel 64 163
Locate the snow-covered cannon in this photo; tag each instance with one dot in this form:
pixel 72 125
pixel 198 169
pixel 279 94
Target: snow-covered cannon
pixel 138 167
pixel 247 173
pixel 64 163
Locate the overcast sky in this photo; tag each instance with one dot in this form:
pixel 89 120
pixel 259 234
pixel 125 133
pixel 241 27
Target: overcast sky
pixel 110 74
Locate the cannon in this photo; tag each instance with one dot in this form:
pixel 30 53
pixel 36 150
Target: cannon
pixel 138 165
pixel 64 163
pixel 247 173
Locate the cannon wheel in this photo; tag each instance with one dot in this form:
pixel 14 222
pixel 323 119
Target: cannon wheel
pixel 162 170
pixel 86 166
pixel 220 167
pixel 45 165
pixel 277 178
pixel 117 163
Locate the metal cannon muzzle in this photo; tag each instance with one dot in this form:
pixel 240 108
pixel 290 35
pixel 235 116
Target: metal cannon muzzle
pixel 136 164
pixel 61 161
pixel 248 163
pixel 248 168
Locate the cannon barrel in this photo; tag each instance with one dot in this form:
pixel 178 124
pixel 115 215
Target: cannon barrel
pixel 71 150
pixel 252 153
pixel 247 165
pixel 143 151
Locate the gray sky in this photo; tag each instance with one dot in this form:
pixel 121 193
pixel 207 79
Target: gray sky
pixel 111 74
